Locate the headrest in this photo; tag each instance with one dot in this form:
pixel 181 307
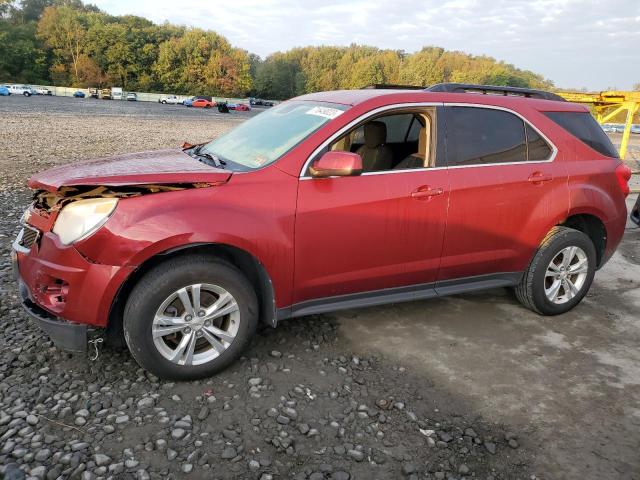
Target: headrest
pixel 375 134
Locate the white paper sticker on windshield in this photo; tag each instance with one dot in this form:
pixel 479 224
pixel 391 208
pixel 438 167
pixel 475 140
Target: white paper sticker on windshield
pixel 326 112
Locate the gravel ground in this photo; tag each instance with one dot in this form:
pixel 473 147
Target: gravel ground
pixel 300 405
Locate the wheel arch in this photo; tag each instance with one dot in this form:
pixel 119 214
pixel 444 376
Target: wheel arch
pixel 250 266
pixel 593 227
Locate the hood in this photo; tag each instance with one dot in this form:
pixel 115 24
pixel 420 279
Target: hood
pixel 157 167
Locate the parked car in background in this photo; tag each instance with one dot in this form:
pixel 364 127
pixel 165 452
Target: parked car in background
pixel 202 103
pixel 116 93
pixel 4 91
pixel 78 94
pixel 132 97
pixel 260 102
pixel 105 93
pixel 608 128
pixel 25 90
pixel 170 99
pixel 94 92
pixel 241 107
pixel 182 253
pixel 635 129
pixel 188 101
pixel 43 91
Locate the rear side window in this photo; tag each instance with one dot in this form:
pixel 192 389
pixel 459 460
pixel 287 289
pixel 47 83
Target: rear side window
pixel 537 148
pixel 585 128
pixel 477 136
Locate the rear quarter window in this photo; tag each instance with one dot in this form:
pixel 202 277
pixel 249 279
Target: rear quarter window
pixel 585 128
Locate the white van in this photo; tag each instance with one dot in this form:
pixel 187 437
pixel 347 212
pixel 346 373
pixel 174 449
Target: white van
pixel 116 93
pixel 25 90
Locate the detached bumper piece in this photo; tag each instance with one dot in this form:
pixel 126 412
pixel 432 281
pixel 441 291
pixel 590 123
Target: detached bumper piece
pixel 65 335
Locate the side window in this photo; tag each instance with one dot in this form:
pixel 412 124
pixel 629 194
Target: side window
pixel 396 141
pixel 585 128
pixel 537 148
pixel 397 126
pixel 477 136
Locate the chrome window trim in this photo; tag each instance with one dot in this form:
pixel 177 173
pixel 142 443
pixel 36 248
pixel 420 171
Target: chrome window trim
pixel 323 145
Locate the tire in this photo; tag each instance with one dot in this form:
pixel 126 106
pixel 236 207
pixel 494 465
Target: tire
pixel 26 94
pixel 540 278
pixel 164 102
pixel 150 296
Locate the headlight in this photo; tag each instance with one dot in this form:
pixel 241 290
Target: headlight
pixel 81 218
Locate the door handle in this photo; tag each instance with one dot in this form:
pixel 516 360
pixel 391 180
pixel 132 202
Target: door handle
pixel 425 192
pixel 539 177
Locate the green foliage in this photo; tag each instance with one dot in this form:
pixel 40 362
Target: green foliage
pixel 70 43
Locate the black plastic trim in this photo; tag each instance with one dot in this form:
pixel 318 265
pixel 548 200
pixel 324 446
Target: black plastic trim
pixel 635 212
pixel 494 89
pixel 400 294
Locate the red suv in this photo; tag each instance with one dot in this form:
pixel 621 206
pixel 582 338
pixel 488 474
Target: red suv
pixel 328 201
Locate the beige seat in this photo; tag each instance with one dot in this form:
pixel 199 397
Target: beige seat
pixel 375 154
pixel 416 160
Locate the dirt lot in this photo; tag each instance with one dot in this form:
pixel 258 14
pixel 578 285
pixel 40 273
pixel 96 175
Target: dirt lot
pixel 467 386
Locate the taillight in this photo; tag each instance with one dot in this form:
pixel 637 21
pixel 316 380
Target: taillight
pixel 623 174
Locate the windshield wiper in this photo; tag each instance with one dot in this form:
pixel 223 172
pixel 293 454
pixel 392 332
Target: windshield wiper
pixel 217 161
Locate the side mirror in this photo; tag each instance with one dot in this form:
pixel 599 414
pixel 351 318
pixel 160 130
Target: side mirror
pixel 336 164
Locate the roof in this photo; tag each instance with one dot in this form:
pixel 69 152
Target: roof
pixel 355 97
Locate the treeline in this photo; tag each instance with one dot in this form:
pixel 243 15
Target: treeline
pixel 67 42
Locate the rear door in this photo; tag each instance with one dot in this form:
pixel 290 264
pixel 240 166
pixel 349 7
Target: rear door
pixel 507 189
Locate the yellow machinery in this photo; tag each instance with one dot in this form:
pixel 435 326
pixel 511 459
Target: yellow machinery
pixel 608 105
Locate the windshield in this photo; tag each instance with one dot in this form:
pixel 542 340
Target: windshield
pixel 268 136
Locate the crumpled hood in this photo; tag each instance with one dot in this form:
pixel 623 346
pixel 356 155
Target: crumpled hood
pixel 153 167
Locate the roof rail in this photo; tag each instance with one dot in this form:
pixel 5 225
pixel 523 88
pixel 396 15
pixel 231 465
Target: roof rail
pixel 388 86
pixel 495 90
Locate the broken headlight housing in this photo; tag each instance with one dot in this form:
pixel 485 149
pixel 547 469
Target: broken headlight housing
pixel 77 220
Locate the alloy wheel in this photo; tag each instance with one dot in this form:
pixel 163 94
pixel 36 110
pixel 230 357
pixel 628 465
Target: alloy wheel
pixel 196 324
pixel 566 275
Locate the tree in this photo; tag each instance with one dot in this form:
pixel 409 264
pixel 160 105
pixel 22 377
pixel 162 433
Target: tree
pixel 63 31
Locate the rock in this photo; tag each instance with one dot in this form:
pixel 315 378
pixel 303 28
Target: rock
pixel 491 447
pixel 254 382
pixel 101 459
pixel 513 443
pixel 409 468
pixel 32 419
pixel 229 453
pixel 187 468
pixel 463 469
pixel 282 420
pixel 340 475
pixel 146 402
pixel 276 354
pixel 254 465
pixel 122 419
pixel 357 455
pixel 178 433
pixel 203 413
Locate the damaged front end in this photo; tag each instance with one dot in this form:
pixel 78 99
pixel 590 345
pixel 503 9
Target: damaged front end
pixel 53 201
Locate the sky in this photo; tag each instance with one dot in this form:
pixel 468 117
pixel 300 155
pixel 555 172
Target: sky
pixel 575 43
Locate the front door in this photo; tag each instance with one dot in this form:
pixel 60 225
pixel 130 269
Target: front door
pixel 380 230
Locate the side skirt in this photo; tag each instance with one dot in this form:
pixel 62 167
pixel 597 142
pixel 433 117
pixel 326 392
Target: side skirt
pixel 400 294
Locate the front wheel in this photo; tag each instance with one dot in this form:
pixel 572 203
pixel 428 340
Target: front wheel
pixel 560 274
pixel 26 94
pixel 190 317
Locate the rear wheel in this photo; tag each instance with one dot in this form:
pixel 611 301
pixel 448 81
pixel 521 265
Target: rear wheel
pixel 560 274
pixel 190 317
